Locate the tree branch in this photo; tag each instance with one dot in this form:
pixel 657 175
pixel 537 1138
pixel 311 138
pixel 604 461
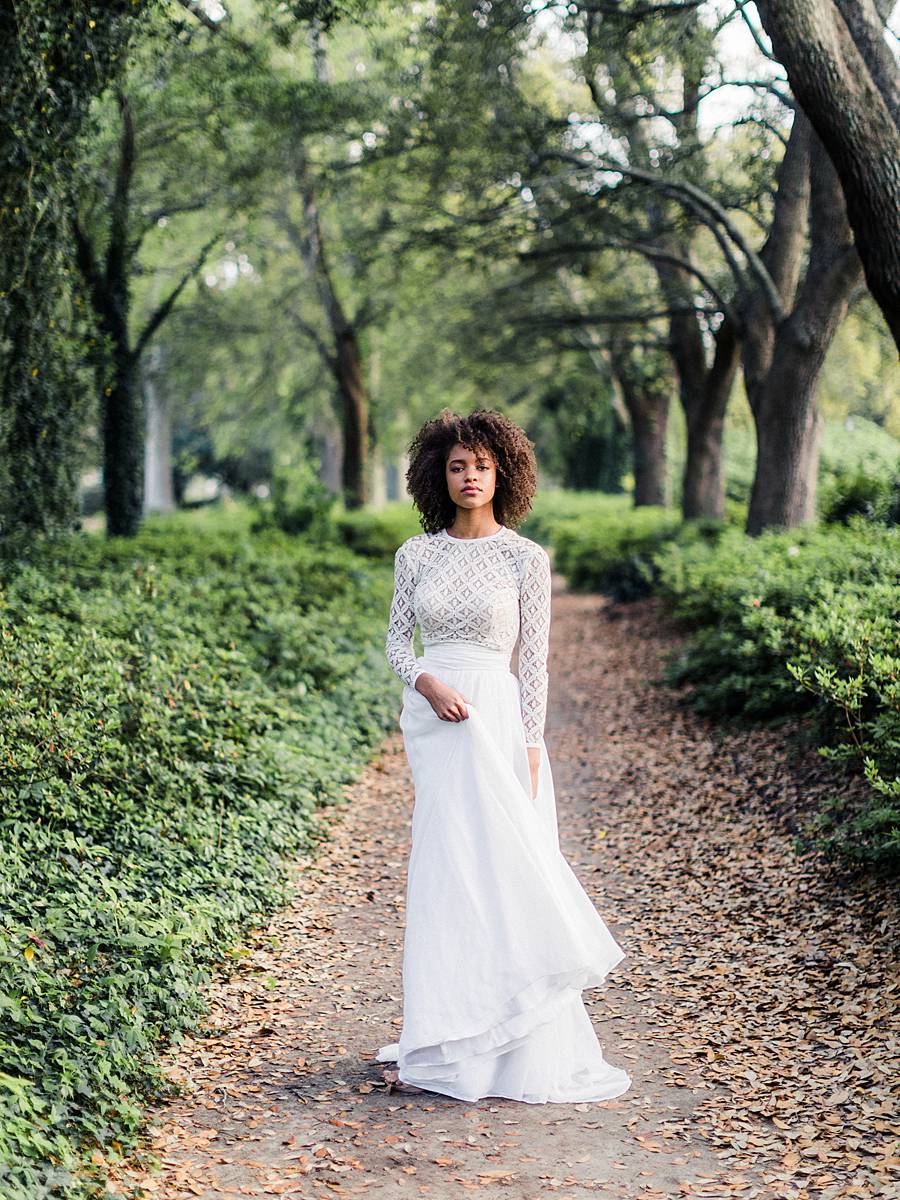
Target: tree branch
pixel 709 210
pixel 167 305
pixel 314 336
pixel 87 264
pixel 152 217
pixel 217 27
pixel 654 253
pixel 568 320
pixel 673 8
pixel 117 250
pixel 741 6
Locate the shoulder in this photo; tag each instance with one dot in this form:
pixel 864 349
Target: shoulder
pixel 414 548
pixel 530 553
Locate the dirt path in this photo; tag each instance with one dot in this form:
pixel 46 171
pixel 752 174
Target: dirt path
pixel 757 1007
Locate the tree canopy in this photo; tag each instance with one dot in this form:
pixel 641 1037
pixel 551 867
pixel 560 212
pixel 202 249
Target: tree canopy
pixel 296 230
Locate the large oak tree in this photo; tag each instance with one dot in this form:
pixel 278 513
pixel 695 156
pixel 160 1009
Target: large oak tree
pixel 849 87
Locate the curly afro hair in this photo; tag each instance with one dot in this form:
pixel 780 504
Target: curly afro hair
pixel 485 429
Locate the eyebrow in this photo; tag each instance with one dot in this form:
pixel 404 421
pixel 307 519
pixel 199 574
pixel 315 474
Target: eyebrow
pixel 480 458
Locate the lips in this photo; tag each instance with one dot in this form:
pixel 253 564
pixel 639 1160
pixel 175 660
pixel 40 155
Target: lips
pixel 471 491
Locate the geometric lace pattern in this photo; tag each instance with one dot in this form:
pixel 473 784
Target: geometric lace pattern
pixel 493 591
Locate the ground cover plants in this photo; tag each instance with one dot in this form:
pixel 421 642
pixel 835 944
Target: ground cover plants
pixel 174 711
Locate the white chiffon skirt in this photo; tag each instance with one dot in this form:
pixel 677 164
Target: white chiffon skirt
pixel 500 936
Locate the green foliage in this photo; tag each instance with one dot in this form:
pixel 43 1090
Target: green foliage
pixel 853 443
pixel 173 711
pixel 614 555
pixel 300 503
pixel 378 534
pixel 848 657
pixel 602 543
pixel 803 622
pixel 849 445
pixel 556 509
pixel 580 440
pixel 861 492
pixel 56 58
pixel 806 620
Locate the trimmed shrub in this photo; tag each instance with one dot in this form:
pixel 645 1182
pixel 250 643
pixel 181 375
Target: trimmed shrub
pixel 602 543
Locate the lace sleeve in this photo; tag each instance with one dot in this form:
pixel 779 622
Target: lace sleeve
pixel 402 622
pixel 534 610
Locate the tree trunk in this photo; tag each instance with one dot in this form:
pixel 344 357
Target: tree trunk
pixel 840 93
pixel 647 400
pixel 123 449
pixel 341 354
pixel 159 489
pixel 649 456
pixel 355 421
pixel 703 487
pixel 783 396
pixel 704 388
pixel 122 415
pixel 109 289
pixel 784 492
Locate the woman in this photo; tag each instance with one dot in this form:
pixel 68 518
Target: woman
pixel 500 937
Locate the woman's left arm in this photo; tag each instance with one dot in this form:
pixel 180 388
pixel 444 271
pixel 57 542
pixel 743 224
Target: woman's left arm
pixel 534 641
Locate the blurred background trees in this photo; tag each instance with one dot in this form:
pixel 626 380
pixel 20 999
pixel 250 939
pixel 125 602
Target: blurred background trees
pixel 252 246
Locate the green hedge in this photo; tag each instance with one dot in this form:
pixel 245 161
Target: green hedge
pixel 805 621
pixel 378 534
pixel 602 543
pixel 172 713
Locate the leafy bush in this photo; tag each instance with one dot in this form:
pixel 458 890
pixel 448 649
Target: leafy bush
pixel 173 711
pixel 861 493
pixel 614 553
pixel 554 509
pixel 853 443
pixel 848 657
pixel 804 620
pixel 848 445
pixel 603 543
pixel 799 622
pixel 300 504
pixel 378 534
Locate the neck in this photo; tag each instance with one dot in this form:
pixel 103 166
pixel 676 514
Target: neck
pixel 472 523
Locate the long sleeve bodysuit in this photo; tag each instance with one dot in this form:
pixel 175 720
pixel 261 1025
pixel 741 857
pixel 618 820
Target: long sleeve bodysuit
pixel 490 591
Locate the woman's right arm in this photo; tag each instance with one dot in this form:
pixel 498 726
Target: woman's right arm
pixel 402 621
pixel 447 702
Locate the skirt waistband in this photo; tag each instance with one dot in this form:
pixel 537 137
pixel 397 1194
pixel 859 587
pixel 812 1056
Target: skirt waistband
pixel 464 656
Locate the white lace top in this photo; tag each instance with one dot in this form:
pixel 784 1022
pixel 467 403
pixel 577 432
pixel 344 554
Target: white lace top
pixel 490 590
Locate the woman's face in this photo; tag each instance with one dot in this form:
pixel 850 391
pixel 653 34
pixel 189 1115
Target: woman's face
pixel 471 476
